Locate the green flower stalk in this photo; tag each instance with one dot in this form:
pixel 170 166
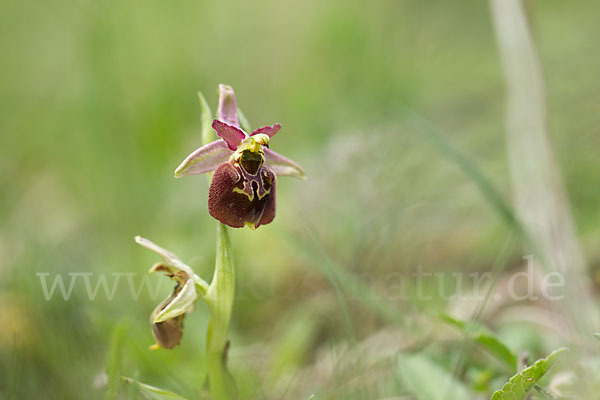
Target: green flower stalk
pixel 241 193
pixel 220 297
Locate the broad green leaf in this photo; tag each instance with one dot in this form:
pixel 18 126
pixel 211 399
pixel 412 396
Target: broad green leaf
pixel 486 339
pixel 597 335
pixel 519 385
pixel 152 392
pixel 427 380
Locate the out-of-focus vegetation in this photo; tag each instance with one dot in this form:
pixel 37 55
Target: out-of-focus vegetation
pixel 98 105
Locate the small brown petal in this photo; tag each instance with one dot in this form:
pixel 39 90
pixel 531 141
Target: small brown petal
pixel 168 333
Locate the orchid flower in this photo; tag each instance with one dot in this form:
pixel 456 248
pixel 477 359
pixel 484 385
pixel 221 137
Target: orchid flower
pixel 242 191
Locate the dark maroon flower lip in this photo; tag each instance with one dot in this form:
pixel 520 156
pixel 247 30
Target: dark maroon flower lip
pixel 239 199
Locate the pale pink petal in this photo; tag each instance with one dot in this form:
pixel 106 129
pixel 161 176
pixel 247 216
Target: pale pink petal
pixel 205 159
pixel 231 134
pixel 228 105
pixel 283 166
pixel 270 131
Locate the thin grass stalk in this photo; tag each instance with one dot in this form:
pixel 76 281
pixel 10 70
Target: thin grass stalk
pixel 540 198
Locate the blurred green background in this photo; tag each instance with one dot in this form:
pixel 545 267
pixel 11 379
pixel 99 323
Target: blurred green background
pixel 98 106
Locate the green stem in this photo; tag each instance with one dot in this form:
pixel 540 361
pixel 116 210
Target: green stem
pixel 219 297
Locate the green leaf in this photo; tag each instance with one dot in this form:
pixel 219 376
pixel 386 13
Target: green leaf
pixel 597 335
pixel 427 381
pixel 152 392
pixel 486 339
pixel 519 385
